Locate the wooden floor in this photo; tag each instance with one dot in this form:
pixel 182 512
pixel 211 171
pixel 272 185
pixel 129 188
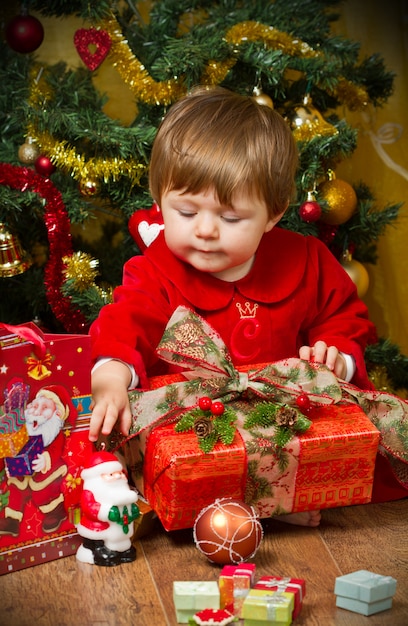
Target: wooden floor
pixel 67 593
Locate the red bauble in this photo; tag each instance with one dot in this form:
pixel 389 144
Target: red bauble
pixel 24 33
pixel 44 166
pixel 310 211
pixel 228 531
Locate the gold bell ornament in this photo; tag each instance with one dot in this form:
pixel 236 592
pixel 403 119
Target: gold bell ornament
pixel 13 259
pixel 357 273
pixel 307 122
pixel 341 200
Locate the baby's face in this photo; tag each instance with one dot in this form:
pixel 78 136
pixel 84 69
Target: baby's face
pixel 213 238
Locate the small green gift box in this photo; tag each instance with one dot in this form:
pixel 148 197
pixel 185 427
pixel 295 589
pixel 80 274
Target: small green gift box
pixel 192 596
pixel 263 607
pixel 364 592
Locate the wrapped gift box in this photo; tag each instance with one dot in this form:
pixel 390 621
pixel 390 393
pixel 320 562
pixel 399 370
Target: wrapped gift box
pixel 263 607
pixel 335 468
pixel 13 433
pixel 297 586
pixel 192 596
pixel 21 463
pixel 274 458
pixel 235 582
pixel 364 592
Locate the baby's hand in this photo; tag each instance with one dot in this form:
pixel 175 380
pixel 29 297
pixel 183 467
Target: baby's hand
pixel 110 402
pixel 329 355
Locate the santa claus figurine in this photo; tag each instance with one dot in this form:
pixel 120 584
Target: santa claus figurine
pixel 108 510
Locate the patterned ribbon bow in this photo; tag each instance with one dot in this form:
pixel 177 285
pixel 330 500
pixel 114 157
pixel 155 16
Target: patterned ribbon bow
pixel 190 342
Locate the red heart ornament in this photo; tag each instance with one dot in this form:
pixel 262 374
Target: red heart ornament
pixel 145 226
pixel 99 39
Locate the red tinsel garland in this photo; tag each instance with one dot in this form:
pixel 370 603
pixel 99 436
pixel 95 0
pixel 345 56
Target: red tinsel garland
pixel 59 237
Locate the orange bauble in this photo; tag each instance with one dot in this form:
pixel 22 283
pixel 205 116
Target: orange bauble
pixel 228 531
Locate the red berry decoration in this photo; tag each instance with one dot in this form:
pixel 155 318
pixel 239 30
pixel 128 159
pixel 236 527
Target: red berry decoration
pixel 44 165
pixel 217 408
pixel 303 402
pixel 310 211
pixel 205 403
pixel 24 33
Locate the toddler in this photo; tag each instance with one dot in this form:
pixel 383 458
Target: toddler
pixel 222 171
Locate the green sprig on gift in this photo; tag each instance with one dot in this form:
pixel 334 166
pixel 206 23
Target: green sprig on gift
pixel 211 421
pixel 287 420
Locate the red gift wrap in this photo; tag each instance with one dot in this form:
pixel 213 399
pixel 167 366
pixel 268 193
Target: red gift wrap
pixel 335 468
pixel 184 480
pixel 297 586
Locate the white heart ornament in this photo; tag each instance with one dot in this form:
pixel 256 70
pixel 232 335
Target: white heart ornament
pixel 149 232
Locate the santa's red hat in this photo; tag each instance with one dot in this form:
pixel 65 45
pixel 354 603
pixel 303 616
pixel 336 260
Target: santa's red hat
pixel 101 462
pixel 62 399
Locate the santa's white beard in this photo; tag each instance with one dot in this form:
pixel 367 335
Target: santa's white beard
pixel 48 429
pixel 112 493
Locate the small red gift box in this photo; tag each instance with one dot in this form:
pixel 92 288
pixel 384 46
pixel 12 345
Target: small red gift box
pixel 297 586
pixel 234 583
pixel 22 463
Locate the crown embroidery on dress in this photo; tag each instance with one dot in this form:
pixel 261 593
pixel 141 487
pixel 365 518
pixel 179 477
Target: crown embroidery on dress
pixel 247 311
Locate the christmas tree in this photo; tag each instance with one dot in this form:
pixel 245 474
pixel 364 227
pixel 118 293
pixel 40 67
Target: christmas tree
pixel 67 166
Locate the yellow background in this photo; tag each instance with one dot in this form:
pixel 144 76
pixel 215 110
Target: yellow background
pixel 379 27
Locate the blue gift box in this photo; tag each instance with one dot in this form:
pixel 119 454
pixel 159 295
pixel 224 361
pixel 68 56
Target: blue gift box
pixel 21 464
pixel 364 592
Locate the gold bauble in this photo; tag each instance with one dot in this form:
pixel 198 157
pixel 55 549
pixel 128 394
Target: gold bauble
pixel 357 273
pixel 28 152
pixel 262 98
pixel 341 199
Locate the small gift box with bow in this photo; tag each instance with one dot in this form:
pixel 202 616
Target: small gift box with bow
pixel 365 592
pixel 263 607
pixel 297 586
pixel 192 596
pixel 235 582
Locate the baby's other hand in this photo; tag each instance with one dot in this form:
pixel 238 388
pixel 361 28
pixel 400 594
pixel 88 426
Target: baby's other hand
pixel 329 355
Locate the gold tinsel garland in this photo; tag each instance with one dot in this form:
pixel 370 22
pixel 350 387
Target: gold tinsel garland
pixel 152 92
pixel 149 91
pixel 65 156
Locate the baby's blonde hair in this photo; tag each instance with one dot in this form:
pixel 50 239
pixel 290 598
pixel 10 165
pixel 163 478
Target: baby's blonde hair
pixel 216 139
